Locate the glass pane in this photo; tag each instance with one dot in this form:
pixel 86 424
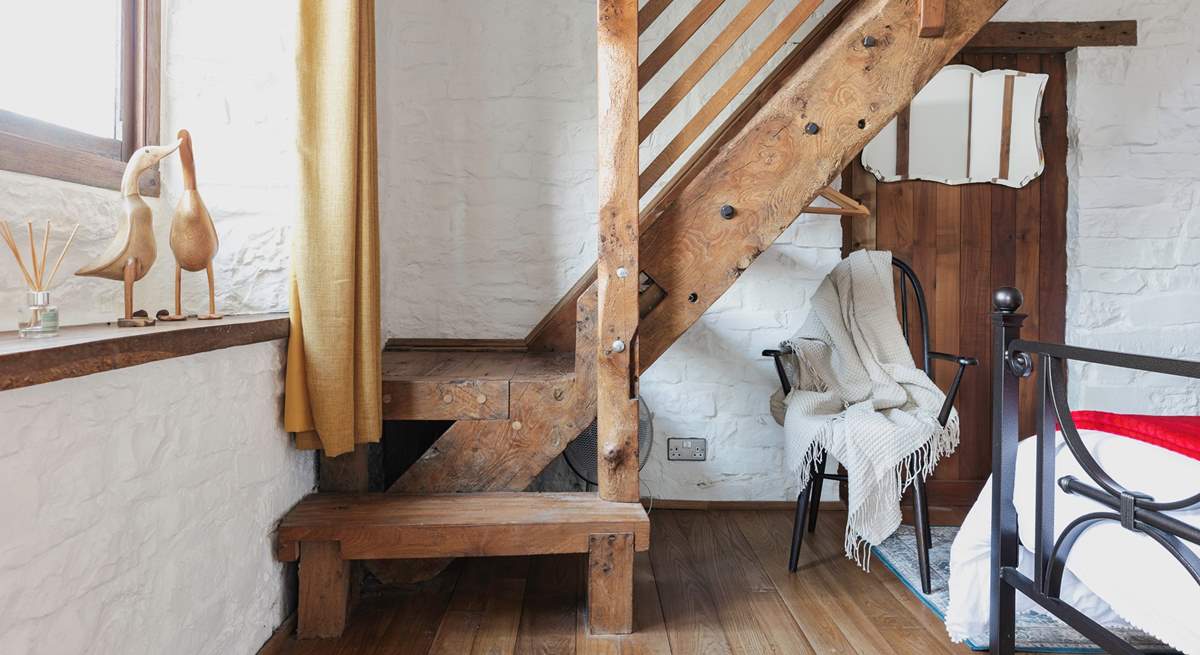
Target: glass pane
pixel 60 62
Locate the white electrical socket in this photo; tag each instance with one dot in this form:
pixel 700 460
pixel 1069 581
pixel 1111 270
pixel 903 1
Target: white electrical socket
pixel 687 450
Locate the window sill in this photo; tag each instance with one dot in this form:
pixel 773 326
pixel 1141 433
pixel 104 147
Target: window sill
pixel 87 349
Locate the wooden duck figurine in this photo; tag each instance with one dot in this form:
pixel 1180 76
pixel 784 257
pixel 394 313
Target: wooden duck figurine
pixel 132 251
pixel 193 237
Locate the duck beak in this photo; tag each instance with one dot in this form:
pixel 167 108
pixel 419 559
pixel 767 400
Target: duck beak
pixel 155 154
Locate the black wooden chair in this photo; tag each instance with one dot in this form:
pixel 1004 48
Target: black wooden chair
pixel 809 501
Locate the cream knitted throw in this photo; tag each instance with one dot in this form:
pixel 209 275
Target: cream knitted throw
pixel 859 396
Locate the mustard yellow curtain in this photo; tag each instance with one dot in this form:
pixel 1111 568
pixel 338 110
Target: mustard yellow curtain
pixel 332 393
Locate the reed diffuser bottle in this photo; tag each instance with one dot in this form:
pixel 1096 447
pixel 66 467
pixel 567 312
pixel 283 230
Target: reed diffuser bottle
pixel 38 319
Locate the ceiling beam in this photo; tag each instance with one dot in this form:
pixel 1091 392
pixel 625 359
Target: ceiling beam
pixel 1053 36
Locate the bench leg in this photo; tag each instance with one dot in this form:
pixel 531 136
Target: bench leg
pixel 324 591
pixel 610 584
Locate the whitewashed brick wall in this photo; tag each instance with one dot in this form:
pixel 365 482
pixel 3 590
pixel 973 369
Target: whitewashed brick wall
pixel 1134 208
pixel 138 510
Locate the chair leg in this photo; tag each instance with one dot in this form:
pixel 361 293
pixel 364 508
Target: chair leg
pixel 798 525
pixel 924 534
pixel 815 498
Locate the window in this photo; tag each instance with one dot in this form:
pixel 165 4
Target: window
pixel 78 88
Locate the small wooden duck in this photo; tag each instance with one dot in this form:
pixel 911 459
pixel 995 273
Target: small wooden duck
pixel 132 251
pixel 193 237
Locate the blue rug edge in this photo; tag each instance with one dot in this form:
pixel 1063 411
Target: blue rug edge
pixel 879 555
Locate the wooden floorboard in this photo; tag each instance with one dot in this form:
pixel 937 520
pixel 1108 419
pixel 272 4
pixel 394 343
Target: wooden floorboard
pixel 713 582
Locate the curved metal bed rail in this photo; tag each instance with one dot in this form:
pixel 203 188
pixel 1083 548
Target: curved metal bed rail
pixel 1131 509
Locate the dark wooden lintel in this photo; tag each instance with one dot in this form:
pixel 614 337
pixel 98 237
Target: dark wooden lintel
pixel 1045 37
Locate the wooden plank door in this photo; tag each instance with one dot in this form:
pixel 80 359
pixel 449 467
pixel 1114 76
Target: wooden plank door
pixel 964 242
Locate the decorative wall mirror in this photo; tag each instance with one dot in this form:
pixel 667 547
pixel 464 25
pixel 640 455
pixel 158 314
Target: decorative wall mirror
pixel 965 127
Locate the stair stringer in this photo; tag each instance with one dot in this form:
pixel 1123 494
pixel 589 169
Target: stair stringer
pixel 545 415
pixel 774 167
pixel 764 163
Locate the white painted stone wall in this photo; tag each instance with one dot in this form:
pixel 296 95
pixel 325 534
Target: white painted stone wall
pixel 138 510
pixel 488 157
pixel 1134 210
pixel 231 83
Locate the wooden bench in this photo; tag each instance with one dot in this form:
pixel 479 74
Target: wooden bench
pixel 327 531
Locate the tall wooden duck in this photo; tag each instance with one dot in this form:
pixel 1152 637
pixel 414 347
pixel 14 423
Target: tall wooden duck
pixel 193 237
pixel 132 251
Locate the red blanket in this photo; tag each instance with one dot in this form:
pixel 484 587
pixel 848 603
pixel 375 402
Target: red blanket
pixel 1180 434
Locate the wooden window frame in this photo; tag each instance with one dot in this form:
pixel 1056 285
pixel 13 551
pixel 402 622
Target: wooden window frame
pixel 35 147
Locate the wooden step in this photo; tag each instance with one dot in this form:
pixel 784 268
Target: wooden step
pixel 393 526
pixel 455 385
pixel 326 531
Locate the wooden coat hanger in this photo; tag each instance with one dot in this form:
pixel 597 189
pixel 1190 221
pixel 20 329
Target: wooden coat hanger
pixel 845 205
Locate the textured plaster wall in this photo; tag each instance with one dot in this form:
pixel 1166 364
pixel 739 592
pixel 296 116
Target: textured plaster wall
pixel 231 83
pixel 138 511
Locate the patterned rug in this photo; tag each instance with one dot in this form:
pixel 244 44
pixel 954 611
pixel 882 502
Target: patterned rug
pixel 1037 630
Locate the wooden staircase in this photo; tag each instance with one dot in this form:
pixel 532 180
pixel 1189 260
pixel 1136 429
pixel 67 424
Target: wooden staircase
pixel 517 406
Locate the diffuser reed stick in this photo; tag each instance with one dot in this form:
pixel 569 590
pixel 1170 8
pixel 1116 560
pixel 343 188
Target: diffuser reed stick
pixel 38 280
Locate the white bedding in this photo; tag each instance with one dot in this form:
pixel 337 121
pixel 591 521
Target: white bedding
pixel 1111 572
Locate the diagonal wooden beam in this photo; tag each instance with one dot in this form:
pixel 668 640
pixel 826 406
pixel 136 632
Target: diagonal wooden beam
pixel 795 145
pixel 556 330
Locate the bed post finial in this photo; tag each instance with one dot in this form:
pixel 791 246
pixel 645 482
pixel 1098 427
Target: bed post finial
pixel 1007 300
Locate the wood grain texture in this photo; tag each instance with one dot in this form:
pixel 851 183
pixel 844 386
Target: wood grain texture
pixel 617 263
pixel 965 241
pixel 933 18
pixel 650 13
pixel 556 330
pixel 1006 117
pixel 610 583
pixel 324 591
pixel 700 66
pixel 461 384
pixel 548 615
pixel 774 168
pixel 88 349
pixel 1053 37
pixel 390 526
pixel 719 100
pixel 682 606
pixel 671 44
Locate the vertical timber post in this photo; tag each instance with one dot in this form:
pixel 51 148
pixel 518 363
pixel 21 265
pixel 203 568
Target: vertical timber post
pixel 1006 328
pixel 617 368
pixel 610 583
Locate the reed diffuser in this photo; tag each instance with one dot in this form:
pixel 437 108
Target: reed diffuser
pixel 39 319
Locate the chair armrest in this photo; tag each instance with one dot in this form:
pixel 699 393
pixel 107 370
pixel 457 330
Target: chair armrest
pixel 958 359
pixel 963 363
pixel 778 354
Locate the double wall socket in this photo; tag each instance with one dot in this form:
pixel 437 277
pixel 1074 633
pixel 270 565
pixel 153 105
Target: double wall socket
pixel 687 450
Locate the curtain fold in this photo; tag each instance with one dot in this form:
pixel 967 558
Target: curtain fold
pixel 332 392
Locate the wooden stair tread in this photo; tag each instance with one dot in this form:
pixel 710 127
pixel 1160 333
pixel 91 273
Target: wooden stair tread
pixel 393 526
pixel 455 384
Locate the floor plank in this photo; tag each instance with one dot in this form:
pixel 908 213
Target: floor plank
pixel 713 582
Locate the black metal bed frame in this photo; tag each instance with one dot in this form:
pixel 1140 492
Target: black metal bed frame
pixel 1133 510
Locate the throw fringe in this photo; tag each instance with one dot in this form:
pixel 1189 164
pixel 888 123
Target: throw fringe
pixel 921 462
